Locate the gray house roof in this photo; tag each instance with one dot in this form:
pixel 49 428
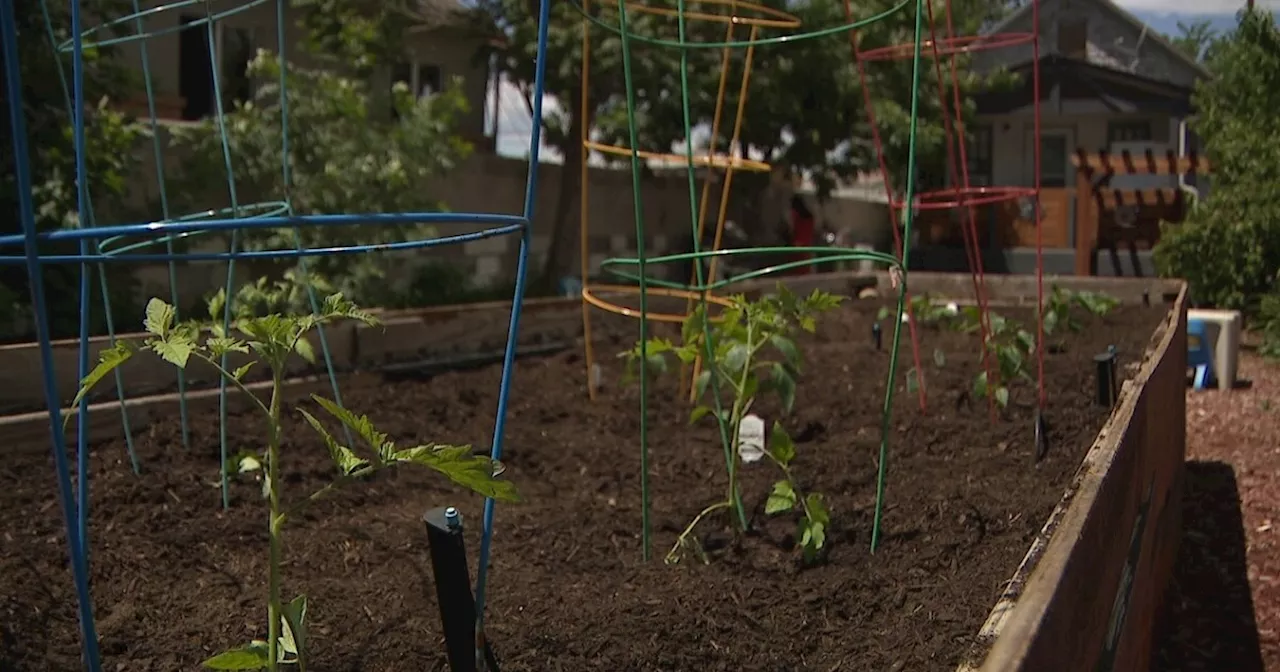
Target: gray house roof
pixel 1123 15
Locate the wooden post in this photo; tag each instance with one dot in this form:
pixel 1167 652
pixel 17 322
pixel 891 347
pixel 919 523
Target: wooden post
pixel 1086 239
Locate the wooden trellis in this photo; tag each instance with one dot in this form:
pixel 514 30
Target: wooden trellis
pixel 1100 209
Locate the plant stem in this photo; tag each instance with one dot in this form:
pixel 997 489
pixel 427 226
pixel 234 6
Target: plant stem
pixel 739 408
pixel 689 528
pixel 275 523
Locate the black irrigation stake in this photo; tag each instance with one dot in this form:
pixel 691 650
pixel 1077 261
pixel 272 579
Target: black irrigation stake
pixel 1106 378
pixel 875 334
pixel 1146 298
pixel 453 590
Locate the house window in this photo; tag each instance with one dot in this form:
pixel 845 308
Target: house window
pixel 1128 131
pixel 1054 160
pixel 233 50
pixel 979 152
pixel 422 79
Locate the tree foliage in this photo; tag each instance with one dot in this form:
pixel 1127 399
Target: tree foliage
pixel 109 136
pixel 1195 39
pixel 347 155
pixel 805 105
pixel 1228 249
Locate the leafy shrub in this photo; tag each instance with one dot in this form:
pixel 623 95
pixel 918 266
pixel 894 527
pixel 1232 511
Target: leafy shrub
pixel 1229 248
pixel 1269 323
pixel 347 155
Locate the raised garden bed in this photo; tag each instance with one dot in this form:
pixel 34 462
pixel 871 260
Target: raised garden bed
pixel 176 578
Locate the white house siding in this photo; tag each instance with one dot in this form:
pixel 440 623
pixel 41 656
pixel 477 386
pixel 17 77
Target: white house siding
pixel 1087 123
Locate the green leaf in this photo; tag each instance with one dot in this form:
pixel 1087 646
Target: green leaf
pixel 238 374
pixel 782 498
pixel 463 467
pixel 304 350
pixel 255 656
pixel 690 329
pixel 781 447
pixel 1026 341
pixel 1002 396
pixel 343 457
pixel 813 536
pixel 335 306
pixel 781 381
pixel 176 350
pixel 817 508
pixel 248 463
pixel 750 384
pixel 788 349
pixel 688 354
pixel 701 382
pixel 980 384
pixel 108 360
pixel 736 358
pixel 883 314
pixel 221 345
pixel 294 615
pixel 159 317
pixel 1050 321
pixel 360 425
pixel 698 413
pixel 217 304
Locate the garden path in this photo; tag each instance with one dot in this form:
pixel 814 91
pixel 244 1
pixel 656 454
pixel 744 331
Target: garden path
pixel 1225 601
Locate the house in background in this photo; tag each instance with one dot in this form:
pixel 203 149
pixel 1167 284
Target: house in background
pixel 182 68
pixel 1107 82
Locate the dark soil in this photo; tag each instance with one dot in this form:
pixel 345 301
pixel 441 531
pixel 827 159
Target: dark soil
pixel 176 578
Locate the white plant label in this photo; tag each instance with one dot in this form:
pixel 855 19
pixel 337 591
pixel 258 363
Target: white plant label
pixel 953 308
pixel 751 439
pixel 596 378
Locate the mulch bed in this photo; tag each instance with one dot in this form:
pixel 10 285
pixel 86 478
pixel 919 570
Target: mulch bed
pixel 1224 604
pixel 176 578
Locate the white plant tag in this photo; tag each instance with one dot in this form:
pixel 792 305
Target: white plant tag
pixel 953 308
pixel 751 439
pixel 596 379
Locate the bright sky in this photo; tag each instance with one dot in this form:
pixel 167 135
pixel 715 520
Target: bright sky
pixel 1162 15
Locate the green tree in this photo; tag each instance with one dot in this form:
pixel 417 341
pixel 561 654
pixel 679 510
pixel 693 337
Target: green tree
pixel 347 154
pixel 1228 249
pixel 511 30
pixel 110 138
pixel 1195 39
pixel 805 105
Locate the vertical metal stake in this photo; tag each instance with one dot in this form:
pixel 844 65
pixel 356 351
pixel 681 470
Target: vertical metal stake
pixel 875 334
pixel 453 590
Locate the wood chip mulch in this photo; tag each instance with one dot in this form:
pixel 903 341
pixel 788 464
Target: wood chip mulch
pixel 1223 610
